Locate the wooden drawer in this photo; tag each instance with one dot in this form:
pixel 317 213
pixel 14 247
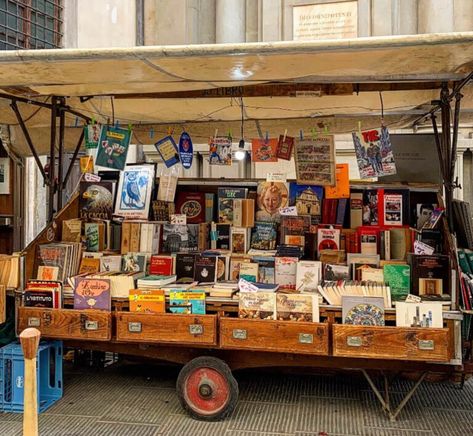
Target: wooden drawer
pixel 278 336
pixel 404 343
pixel 93 325
pixel 167 328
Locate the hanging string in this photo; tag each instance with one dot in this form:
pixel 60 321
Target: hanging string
pixel 113 110
pixel 382 108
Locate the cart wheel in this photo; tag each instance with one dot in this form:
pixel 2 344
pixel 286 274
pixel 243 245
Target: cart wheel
pixel 207 389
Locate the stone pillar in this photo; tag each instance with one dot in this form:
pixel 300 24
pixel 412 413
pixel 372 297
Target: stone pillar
pixel 252 20
pixel 462 15
pixel 206 17
pixel 404 17
pixel 381 18
pixel 364 18
pixel 69 40
pixel 435 16
pixel 231 21
pixel 271 20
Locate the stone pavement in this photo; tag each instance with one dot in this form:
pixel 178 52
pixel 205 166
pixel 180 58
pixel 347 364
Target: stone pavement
pixel 134 399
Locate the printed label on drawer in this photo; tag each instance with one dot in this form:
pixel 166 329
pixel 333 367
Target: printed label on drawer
pixel 426 344
pixel 306 338
pixel 239 334
pixel 354 341
pixel 91 325
pixel 134 327
pixel 34 322
pixel 196 329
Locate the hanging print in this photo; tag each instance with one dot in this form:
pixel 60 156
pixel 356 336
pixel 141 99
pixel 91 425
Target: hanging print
pixel 113 147
pixel 186 150
pixel 220 150
pixel 264 150
pixel 374 153
pixel 167 149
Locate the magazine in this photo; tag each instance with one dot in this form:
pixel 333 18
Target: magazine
pixel 113 147
pixel 220 150
pixel 264 150
pixel 315 160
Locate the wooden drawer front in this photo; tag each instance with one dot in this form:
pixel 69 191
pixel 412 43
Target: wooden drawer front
pixel 405 343
pixel 278 336
pixel 92 325
pixel 167 328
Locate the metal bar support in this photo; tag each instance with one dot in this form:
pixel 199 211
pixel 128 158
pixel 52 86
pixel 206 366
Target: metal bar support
pixel 393 415
pixel 62 121
pixel 52 160
pixel 24 129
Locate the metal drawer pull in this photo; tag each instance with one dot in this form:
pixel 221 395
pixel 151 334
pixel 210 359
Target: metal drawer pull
pixel 354 341
pixel 91 325
pixel 34 322
pixel 196 329
pixel 306 338
pixel 134 327
pixel 239 334
pixel 426 344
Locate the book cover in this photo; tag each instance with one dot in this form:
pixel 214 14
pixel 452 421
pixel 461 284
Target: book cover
pixel 297 307
pixel 271 196
pixel 86 164
pixel 113 147
pixel 175 238
pixel 223 268
pixel 266 265
pixel 92 294
pixel 223 236
pixel 419 314
pixel 162 210
pixel 243 212
pixel 205 269
pixel 225 203
pixel 48 272
pixel 52 255
pixel 398 278
pixel 134 262
pixel 110 263
pixel 263 236
pixel 423 212
pixel 187 302
pixel 286 271
pixel 342 183
pixel 89 265
pixel 375 275
pixel 192 205
pixel 369 240
pixel 399 243
pixel 332 272
pixel 257 305
pixel 185 267
pixel 430 276
pixel 307 199
pixel 294 226
pixel 168 151
pixel 210 207
pixel 94 236
pixel 235 261
pixel 434 218
pixel 370 207
pixel 328 239
pixel 96 200
pixel 92 135
pixel 147 300
pixel 37 298
pixel 249 271
pixel 374 154
pixel 220 150
pixel 363 310
pixel 161 265
pixel 356 209
pixel 308 275
pixel 71 230
pixel 239 239
pixel 285 147
pixel 315 160
pixel 264 150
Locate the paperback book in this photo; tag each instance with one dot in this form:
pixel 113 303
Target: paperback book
pixel 92 294
pixel 297 307
pixel 367 311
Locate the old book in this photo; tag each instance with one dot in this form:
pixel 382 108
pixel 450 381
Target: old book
pixel 133 263
pixel 363 310
pixel 285 147
pixel 294 226
pixel 161 265
pixel 257 305
pixel 370 215
pixel 225 203
pixel 210 207
pixel 297 307
pixel 187 302
pixel 205 269
pixel 175 238
pixel 239 239
pixel 89 265
pixel 38 298
pixel 185 267
pixel 147 300
pixel 249 271
pixel 307 199
pixel 244 212
pixel 162 210
pixel 332 256
pixel 71 230
pixel 328 238
pixel 48 272
pixel 110 263
pixel 235 261
pixel 332 272
pixel 399 243
pixel 398 277
pixel 372 275
pixel 263 236
pixel 92 294
pixel 125 242
pixel 135 231
pixel 369 240
pixel 96 200
pixel 419 314
pixel 94 236
pixel 286 271
pixel 356 209
pixel 308 275
pixel 191 204
pixel 342 183
pixel 430 276
pixel 266 265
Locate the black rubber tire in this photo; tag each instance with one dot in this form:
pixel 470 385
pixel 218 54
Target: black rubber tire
pixel 218 365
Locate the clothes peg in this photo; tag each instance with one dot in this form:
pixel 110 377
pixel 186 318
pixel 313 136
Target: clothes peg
pixel 301 135
pixel 285 134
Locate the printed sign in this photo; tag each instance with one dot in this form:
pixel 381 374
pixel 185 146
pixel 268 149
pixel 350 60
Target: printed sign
pixel 186 150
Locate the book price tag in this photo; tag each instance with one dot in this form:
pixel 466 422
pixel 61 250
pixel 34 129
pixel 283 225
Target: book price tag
pixel 413 299
pixel 422 248
pixel 276 177
pixel 291 210
pixel 179 218
pixel 89 177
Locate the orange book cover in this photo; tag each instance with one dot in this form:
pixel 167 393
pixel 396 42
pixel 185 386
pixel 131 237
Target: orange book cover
pixel 264 150
pixel 342 183
pixel 89 265
pixel 147 300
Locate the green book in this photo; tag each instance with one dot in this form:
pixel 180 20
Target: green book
pixel 469 257
pixel 398 277
pixel 464 262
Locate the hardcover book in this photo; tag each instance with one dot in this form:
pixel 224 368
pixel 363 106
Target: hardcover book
pixel 96 200
pixel 398 278
pixel 161 265
pixel 205 269
pixel 430 276
pixel 88 265
pixel 92 294
pixel 308 275
pixel 363 310
pixel 225 203
pixel 307 199
pixel 185 267
pixel 263 236
pixel 328 239
pixel 271 196
pixel 71 230
pixel 192 205
pixel 286 271
pixel 37 298
pixel 297 307
pixel 147 300
pixel 113 147
pixel 257 305
pixel 187 302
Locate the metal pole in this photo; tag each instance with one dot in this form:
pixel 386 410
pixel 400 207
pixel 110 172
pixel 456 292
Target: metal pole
pixel 74 157
pixel 456 122
pixel 62 119
pixel 52 160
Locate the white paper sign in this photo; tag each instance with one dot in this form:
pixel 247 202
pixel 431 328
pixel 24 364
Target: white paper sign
pixel 413 299
pixel 179 218
pixel 89 177
pixel 422 248
pixel 291 210
pixel 246 286
pixel 276 177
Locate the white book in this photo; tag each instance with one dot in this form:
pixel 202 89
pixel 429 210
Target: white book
pixel 155 230
pixel 286 271
pixel 308 275
pixel 428 314
pixel 111 263
pixel 144 237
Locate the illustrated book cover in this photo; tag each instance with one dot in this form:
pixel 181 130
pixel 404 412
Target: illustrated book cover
pixel 257 305
pixel 92 294
pixel 113 147
pixel 297 307
pixel 307 199
pixel 367 311
pixel 315 160
pixel 96 200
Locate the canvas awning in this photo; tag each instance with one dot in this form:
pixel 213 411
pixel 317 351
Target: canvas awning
pixel 289 85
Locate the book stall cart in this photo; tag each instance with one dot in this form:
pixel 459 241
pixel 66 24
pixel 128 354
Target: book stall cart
pixel 224 274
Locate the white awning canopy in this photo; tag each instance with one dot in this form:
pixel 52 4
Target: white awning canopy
pixel 289 85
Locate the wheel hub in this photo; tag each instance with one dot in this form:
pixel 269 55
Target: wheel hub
pixel 205 390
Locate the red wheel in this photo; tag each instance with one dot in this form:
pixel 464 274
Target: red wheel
pixel 207 389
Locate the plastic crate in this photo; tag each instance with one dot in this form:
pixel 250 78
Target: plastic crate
pixel 12 371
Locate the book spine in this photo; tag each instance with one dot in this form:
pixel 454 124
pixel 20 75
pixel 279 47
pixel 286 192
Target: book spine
pixel 135 237
pixel 125 245
pixel 238 212
pixel 209 207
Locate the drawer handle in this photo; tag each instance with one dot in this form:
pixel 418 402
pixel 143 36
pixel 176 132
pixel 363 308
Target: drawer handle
pixel 134 327
pixel 91 325
pixel 239 334
pixel 354 341
pixel 34 322
pixel 426 344
pixel 196 329
pixel 306 338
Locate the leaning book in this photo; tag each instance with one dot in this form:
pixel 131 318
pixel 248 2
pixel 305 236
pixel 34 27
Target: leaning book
pixel 92 294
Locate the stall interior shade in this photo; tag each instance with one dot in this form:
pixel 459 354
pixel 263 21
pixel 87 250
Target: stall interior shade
pixel 30 24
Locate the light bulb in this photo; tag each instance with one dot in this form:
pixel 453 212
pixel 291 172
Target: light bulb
pixel 240 154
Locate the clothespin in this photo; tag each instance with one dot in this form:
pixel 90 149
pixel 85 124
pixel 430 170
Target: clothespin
pixel 359 128
pixel 130 127
pixel 216 133
pixel 314 133
pixel 285 134
pixel 266 136
pixel 230 133
pixel 301 135
pixel 170 131
pixel 93 120
pixel 151 133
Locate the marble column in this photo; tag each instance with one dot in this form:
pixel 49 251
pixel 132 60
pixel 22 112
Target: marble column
pixel 462 15
pixel 404 17
pixel 230 21
pixel 435 16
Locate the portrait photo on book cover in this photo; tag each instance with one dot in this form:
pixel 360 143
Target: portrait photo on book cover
pixel 272 196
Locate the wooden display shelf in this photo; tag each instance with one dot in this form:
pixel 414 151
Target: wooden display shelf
pixel 276 336
pixel 167 328
pixel 401 343
pixel 92 325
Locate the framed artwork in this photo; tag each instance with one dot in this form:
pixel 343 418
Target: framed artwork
pixel 5 175
pixel 134 191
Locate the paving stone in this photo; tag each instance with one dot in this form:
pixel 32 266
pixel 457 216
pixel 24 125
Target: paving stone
pixel 183 425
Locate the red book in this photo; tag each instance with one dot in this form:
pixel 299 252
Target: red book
pixel 333 211
pixel 191 204
pixel 161 265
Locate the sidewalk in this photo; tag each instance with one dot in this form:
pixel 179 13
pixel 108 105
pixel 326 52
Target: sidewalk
pixel 132 399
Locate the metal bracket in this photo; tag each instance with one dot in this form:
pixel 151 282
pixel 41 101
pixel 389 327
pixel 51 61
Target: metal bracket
pixel 239 334
pixel 91 325
pixel 306 338
pixel 196 329
pixel 134 327
pixel 34 322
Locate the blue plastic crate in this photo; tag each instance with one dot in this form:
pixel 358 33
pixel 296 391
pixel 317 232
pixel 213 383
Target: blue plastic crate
pixel 12 371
